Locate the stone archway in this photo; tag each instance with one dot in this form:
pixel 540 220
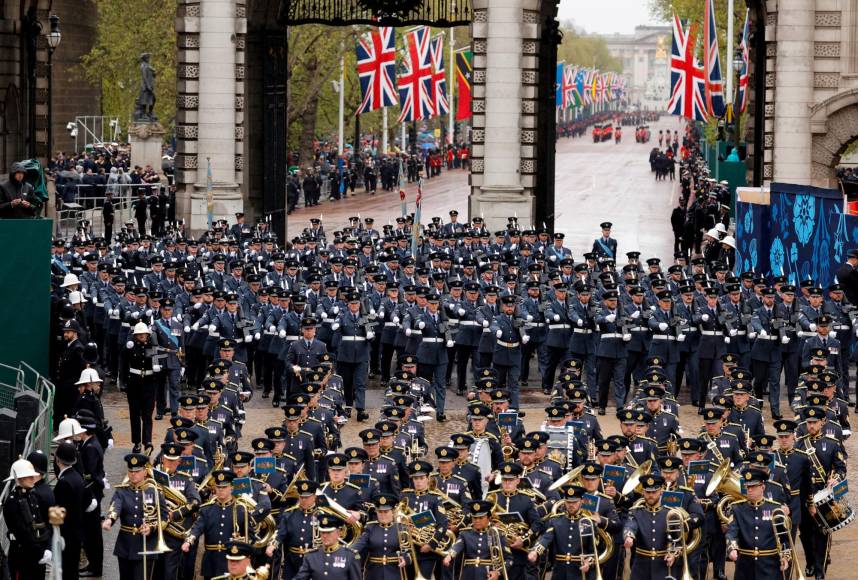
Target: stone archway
pixel 833 125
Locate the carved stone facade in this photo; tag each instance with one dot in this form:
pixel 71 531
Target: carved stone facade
pixel 210 118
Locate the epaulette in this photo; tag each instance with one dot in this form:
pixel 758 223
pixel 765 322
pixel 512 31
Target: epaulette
pixel 408 490
pixel 686 488
pixel 291 509
pixel 308 434
pixel 457 476
pixel 767 500
pixel 311 418
pixel 728 434
pixel 349 484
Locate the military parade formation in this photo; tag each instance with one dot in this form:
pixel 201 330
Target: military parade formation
pixel 190 330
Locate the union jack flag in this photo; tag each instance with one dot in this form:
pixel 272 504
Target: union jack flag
pixel 745 72
pixel 376 65
pixel 571 97
pixel 415 79
pixel 686 75
pixel 439 77
pixel 715 104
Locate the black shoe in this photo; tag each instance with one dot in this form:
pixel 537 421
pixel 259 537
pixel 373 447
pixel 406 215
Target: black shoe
pixel 87 574
pixel 348 412
pixel 546 391
pixel 700 410
pixel 362 416
pixel 265 395
pixel 601 411
pixel 148 449
pixel 777 417
pixel 460 392
pixel 441 417
pixel 810 570
pixel 275 402
pixel 137 448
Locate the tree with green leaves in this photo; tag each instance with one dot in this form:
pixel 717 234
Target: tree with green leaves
pixel 586 50
pixel 125 30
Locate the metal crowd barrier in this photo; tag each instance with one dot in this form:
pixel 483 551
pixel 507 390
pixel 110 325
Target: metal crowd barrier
pixel 40 431
pixel 87 204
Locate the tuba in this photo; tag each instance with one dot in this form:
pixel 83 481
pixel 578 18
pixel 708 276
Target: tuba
pixel 351 532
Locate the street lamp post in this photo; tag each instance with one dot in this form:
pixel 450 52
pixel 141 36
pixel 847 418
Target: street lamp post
pixel 738 64
pixel 53 38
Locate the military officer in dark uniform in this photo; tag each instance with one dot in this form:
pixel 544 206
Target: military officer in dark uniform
pixel 510 499
pixel 130 506
pixel 605 246
pixel 297 442
pixel 295 529
pixel 562 539
pixel 348 495
pixel 506 360
pixel 719 445
pixel 419 499
pixel 141 386
pixel 175 564
pixel 454 486
pixel 462 467
pixel 645 530
pixel 379 545
pixel 483 549
pixel 352 336
pixel 331 558
pixel 381 468
pixel 238 554
pixel 304 353
pixel 751 540
pixel 220 520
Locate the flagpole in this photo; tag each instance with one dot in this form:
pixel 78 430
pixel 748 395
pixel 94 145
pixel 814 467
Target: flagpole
pixel 729 62
pixel 451 91
pixel 384 130
pixel 342 91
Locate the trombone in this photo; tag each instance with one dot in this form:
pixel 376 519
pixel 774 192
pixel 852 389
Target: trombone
pixel 401 520
pixel 587 530
pixel 676 536
pixel 496 554
pixel 782 524
pixel 152 517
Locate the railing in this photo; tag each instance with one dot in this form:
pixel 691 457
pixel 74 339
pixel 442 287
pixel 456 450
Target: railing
pixel 87 204
pixel 39 433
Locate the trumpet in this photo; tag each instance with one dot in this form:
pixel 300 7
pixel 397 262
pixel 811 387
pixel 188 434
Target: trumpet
pixel 782 524
pixel 676 534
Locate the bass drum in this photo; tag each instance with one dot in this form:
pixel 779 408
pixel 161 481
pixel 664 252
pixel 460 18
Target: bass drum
pixel 481 456
pixel 832 514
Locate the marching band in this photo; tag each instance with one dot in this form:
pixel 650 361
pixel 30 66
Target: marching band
pixel 309 324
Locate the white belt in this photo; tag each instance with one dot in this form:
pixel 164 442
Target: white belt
pixel 741 333
pixel 101 304
pixel 141 269
pixel 613 335
pixel 767 337
pixel 214 334
pixel 663 337
pixel 639 329
pixel 114 317
pixel 583 330
pixel 807 334
pixel 485 330
pixel 238 339
pixel 840 327
pixel 126 325
pixel 508 344
pixel 354 338
pixel 142 373
pixel 269 333
pixel 467 323
pixel 434 340
pixel 289 337
pixel 416 332
pixel 690 329
pixel 557 326
pixel 710 332
pixel 390 324
pixel 534 324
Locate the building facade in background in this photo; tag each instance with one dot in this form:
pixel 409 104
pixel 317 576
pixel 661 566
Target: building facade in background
pixel 645 58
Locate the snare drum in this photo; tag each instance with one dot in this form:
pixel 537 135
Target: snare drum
pixel 832 514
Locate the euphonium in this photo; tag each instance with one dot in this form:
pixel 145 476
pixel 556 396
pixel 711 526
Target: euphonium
pixel 175 500
pixel 262 532
pixel 634 479
pixel 726 482
pixel 781 524
pixel 424 535
pixel 350 532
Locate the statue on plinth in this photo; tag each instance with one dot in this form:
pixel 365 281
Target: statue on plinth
pixel 144 106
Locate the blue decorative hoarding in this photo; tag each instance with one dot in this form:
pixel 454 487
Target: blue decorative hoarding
pixel 803 233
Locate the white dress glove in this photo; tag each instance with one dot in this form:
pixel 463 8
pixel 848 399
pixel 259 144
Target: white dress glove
pixel 525 339
pixel 450 343
pixel 734 332
pixel 812 327
pixel 752 335
pixel 156 368
pixel 627 337
pixel 187 329
pixel 109 446
pixel 324 315
pixel 784 339
pixel 580 323
pixel 370 335
pixel 726 340
pixel 92 505
pixel 499 333
pixel 636 314
pixel 198 305
pixel 282 334
pixel 335 309
pixel 611 317
pixel 681 338
pixel 272 328
pixel 148 312
pixel 662 326
pixel 196 326
pixel 556 318
pixel 46 557
pixel 257 336
pixel 212 328
pixel 335 326
pixel 135 315
pixel 461 311
pixel 129 344
pixel 407 332
pixel 421 325
pixel 395 320
pixel 705 318
pixel 763 333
